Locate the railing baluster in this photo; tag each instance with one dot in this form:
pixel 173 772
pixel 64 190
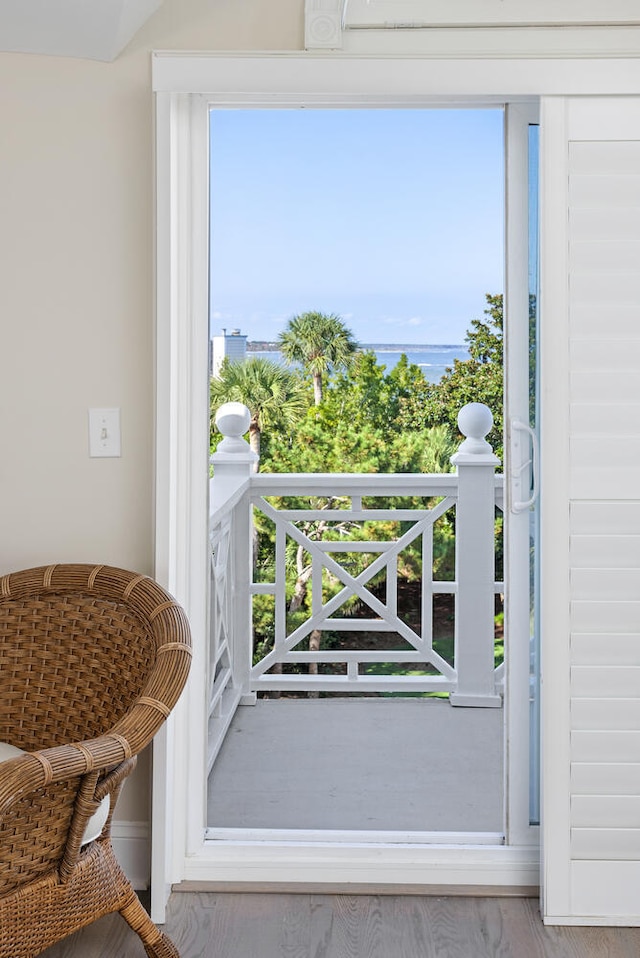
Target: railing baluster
pixel 426 624
pixel 316 585
pixel 280 630
pixel 392 586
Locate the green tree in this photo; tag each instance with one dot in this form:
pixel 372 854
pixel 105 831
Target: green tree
pixel 321 343
pixel 408 394
pixel 480 378
pixel 355 397
pixel 367 397
pixel 275 396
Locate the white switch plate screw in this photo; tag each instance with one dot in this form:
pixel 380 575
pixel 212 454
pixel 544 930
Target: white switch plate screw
pixel 104 432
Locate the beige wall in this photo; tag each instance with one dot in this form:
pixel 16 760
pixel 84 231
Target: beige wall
pixel 76 295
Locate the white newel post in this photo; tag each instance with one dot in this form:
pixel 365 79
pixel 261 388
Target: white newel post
pixel 233 463
pixel 233 460
pixel 475 561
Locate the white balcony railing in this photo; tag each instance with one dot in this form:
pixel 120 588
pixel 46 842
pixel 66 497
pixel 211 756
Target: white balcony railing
pixel 347 536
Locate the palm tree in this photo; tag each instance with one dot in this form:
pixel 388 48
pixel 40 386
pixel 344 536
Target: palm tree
pixel 321 342
pixel 273 394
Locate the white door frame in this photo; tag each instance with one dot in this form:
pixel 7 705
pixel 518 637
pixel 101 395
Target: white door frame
pixel 182 462
pixel 516 553
pixel 179 850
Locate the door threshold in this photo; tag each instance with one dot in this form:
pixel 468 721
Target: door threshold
pixel 351 836
pixel 371 863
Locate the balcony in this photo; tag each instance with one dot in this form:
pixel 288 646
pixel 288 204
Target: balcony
pixel 352 676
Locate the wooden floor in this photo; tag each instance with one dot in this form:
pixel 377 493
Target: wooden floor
pixel 207 925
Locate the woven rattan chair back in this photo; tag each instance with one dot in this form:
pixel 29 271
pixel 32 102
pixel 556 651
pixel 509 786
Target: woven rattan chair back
pixel 92 660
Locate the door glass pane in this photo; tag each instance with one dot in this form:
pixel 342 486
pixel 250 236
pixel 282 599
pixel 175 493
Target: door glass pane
pixel 400 230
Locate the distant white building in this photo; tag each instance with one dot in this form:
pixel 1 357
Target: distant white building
pixel 232 346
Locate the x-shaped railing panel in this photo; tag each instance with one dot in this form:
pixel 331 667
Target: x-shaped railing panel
pixel 354 586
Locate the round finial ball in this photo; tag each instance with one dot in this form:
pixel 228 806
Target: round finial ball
pixel 233 419
pixel 475 420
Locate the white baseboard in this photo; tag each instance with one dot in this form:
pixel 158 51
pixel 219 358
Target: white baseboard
pixel 612 921
pixel 132 846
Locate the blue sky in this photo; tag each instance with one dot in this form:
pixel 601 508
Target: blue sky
pixel 391 218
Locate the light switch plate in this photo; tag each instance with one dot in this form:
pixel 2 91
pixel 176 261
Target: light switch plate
pixel 104 432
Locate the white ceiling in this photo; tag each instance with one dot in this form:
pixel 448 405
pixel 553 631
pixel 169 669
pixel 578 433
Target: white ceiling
pixel 95 29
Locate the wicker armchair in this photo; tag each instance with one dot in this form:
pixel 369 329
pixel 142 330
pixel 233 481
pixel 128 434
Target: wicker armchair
pixel 92 660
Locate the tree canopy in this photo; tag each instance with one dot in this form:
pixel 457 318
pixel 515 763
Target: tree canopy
pixel 321 342
pixel 274 395
pixel 477 379
pixel 367 420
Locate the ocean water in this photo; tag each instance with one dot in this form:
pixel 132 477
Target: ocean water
pixel 432 360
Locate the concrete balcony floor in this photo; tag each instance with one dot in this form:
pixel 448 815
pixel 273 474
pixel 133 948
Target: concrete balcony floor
pixel 374 764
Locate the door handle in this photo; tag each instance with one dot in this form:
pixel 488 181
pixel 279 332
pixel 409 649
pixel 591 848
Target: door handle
pixel 522 505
